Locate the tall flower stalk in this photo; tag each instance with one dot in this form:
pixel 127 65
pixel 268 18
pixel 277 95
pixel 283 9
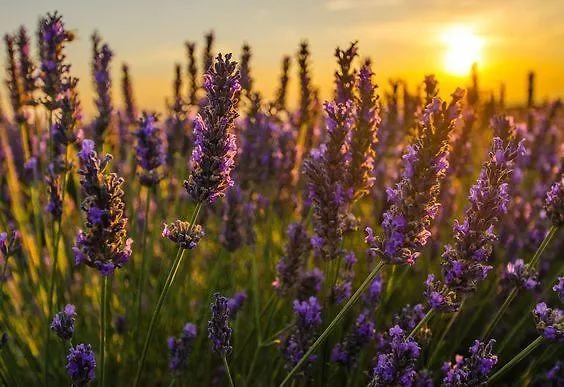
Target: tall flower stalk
pixel 465 263
pixel 101 58
pixel 150 159
pixel 212 162
pixel 103 245
pixel 61 96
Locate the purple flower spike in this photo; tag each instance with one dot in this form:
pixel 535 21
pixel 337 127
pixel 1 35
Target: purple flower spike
pixel 63 322
pixel 556 374
pixel 64 131
pixel 149 148
pixel 465 263
pixel 308 320
pixel 293 261
pixel 235 303
pixel 180 348
pixel 26 68
pixel 53 68
pixel 232 231
pixel 81 364
pixel 471 371
pixel 549 322
pixel 215 148
pixel 559 288
pixel 324 173
pixel 101 58
pixel 521 275
pixel 364 134
pixel 183 234
pixel 554 203
pixel 103 244
pixel 9 243
pixel 345 76
pixel 396 367
pixel 346 353
pixel 414 200
pixel 127 92
pixel 219 331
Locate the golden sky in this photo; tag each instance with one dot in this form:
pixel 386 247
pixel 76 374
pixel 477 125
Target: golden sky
pixel 405 39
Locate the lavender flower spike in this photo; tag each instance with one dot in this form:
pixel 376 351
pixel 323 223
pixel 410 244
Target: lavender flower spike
pixel 81 364
pixel 324 173
pixel 520 275
pixel 53 38
pixel 64 131
pixel 101 58
pixel 215 148
pixel 549 322
pixel 13 82
pixel 291 264
pixel 183 234
pixel 63 322
pixel 149 148
pixel 363 134
pixel 27 67
pixel 180 349
pixel 472 371
pixel 414 201
pixel 397 366
pixel 219 331
pixel 127 92
pixel 465 263
pixel 554 203
pixel 345 76
pixel 559 288
pixel 104 245
pixel 308 319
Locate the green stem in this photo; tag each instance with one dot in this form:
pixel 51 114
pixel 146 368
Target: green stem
pixel 336 320
pixel 103 330
pixel 50 301
pixel 164 292
pixel 516 328
pixel 256 299
pixel 25 141
pixel 143 261
pixel 499 314
pixel 426 318
pixel 253 363
pixel 438 346
pixel 520 356
pixel 226 365
pixel 545 242
pixel 511 296
pixel 4 270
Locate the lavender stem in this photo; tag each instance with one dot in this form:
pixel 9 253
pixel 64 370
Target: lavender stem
pixel 367 281
pixel 422 322
pixel 143 259
pixel 516 359
pixel 168 284
pixel 226 365
pixel 511 296
pixel 103 330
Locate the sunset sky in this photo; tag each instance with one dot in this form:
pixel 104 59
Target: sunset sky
pixel 405 38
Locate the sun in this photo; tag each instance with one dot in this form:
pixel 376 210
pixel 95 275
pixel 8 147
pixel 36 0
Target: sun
pixel 463 49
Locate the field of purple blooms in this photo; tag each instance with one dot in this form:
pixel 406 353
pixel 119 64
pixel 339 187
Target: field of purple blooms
pixel 386 237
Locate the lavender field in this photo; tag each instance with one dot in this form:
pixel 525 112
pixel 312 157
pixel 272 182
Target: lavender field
pixel 392 234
